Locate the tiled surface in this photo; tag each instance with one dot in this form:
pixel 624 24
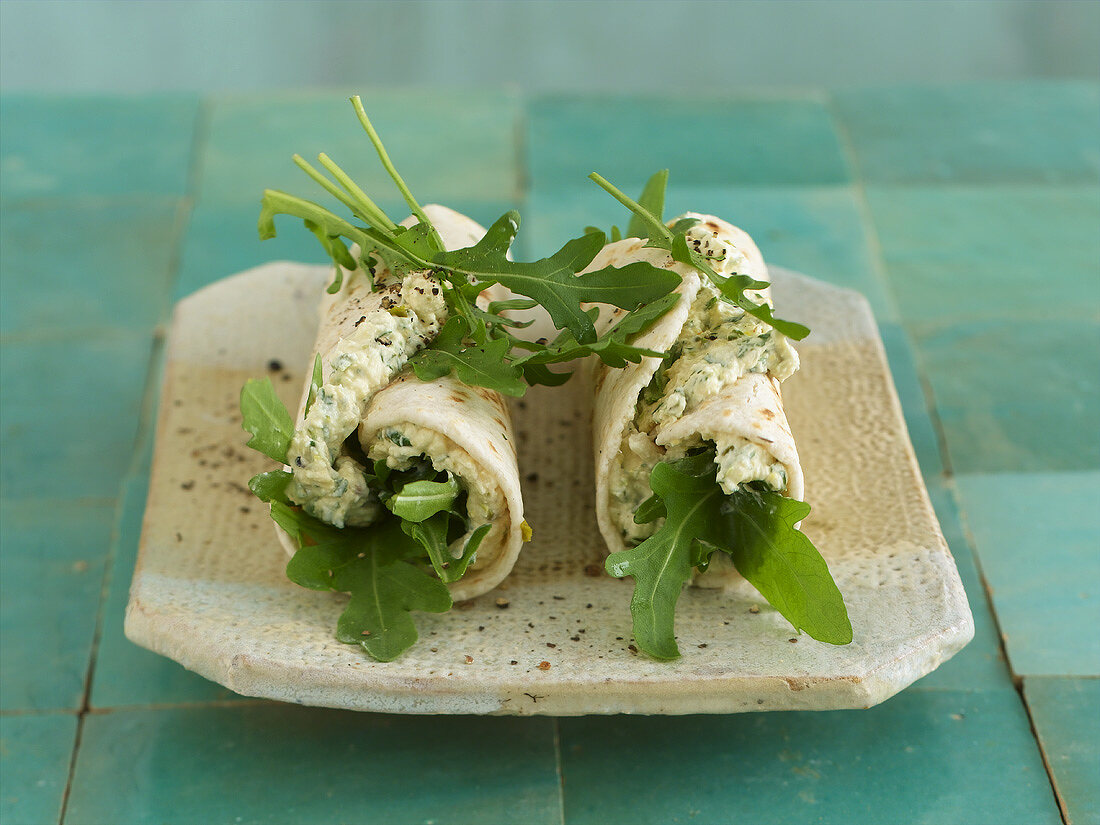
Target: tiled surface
pixel 922 757
pixel 35 752
pixel 109 267
pixel 993 133
pixel 280 763
pixel 95 146
pixel 1066 713
pixel 966 215
pixel 1036 535
pixel 702 141
pixel 51 572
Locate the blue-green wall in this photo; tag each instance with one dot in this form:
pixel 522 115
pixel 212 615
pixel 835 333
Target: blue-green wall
pixel 205 45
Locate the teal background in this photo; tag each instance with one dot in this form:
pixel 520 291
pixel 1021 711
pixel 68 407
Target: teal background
pixel 537 45
pixel 941 158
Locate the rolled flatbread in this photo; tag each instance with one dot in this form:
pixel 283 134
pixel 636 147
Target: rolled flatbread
pixel 719 384
pixel 370 406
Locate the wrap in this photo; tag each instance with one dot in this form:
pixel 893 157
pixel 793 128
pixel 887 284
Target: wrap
pixel 371 406
pixel 719 384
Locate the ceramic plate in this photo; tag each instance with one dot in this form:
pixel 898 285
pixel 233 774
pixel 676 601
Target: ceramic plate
pixel 209 588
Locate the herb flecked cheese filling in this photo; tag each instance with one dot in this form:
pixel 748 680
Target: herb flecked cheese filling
pixel 400 446
pixel 328 483
pixel 719 343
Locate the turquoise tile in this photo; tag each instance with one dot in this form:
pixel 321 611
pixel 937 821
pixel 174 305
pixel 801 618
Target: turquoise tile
pixel 923 757
pixel 1066 713
pixel 914 404
pixel 280 763
pixel 981 664
pixel 716 140
pixel 113 271
pixel 222 240
pixel 69 414
pixel 1036 537
pixel 445 145
pixel 68 146
pixel 51 560
pixel 989 133
pixel 35 752
pixel 964 253
pixel 1015 396
pixel 126 674
pixel 816 230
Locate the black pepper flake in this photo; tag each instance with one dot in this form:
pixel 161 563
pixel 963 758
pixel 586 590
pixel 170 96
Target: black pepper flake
pixel 298 461
pixel 275 366
pixel 532 477
pixel 632 648
pixel 187 485
pixel 513 662
pixel 361 320
pixel 551 644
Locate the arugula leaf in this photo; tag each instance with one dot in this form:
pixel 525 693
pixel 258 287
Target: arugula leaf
pixel 421 500
pixel 481 364
pixel 675 243
pixel 653 201
pixel 271 486
pixel 315 383
pixel 662 564
pixel 554 282
pixel 266 418
pixel 756 528
pixel 432 536
pixel 371 564
pixel 783 564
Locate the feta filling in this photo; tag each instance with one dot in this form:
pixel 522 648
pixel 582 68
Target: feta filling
pixel 328 483
pixel 718 344
pixel 400 446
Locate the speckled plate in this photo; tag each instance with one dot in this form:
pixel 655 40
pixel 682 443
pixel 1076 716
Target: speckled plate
pixel 209 589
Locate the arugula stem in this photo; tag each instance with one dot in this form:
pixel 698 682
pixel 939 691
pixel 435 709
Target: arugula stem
pixel 361 113
pixel 379 218
pixel 632 205
pixel 331 188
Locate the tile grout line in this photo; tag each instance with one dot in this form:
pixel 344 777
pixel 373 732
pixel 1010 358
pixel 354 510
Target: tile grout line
pixel 1017 679
pixel 140 438
pixel 878 265
pixel 560 768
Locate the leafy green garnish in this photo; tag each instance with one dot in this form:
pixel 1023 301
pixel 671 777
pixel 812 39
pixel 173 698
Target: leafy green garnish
pixel 374 566
pixel 420 500
pixel 266 418
pixel 387 566
pixel 757 530
pixel 645 223
pixel 474 360
pixel 469 350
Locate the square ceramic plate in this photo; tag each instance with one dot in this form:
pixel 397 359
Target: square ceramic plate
pixel 209 588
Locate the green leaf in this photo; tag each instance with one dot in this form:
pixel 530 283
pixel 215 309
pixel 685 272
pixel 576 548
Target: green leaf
pixel 783 564
pixel 554 282
pixel 421 500
pixel 483 365
pixel 315 383
pixel 662 564
pixel 266 418
pixel 302 527
pixel 653 201
pixel 432 536
pixel 755 528
pixel 271 486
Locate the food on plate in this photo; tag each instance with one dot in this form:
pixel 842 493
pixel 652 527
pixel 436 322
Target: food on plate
pixel 697 474
pixel 400 483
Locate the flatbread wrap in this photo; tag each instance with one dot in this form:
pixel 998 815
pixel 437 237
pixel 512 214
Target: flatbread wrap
pixel 370 406
pixel 693 451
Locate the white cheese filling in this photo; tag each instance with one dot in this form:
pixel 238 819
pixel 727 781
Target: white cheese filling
pixel 400 445
pixel 718 344
pixel 328 483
